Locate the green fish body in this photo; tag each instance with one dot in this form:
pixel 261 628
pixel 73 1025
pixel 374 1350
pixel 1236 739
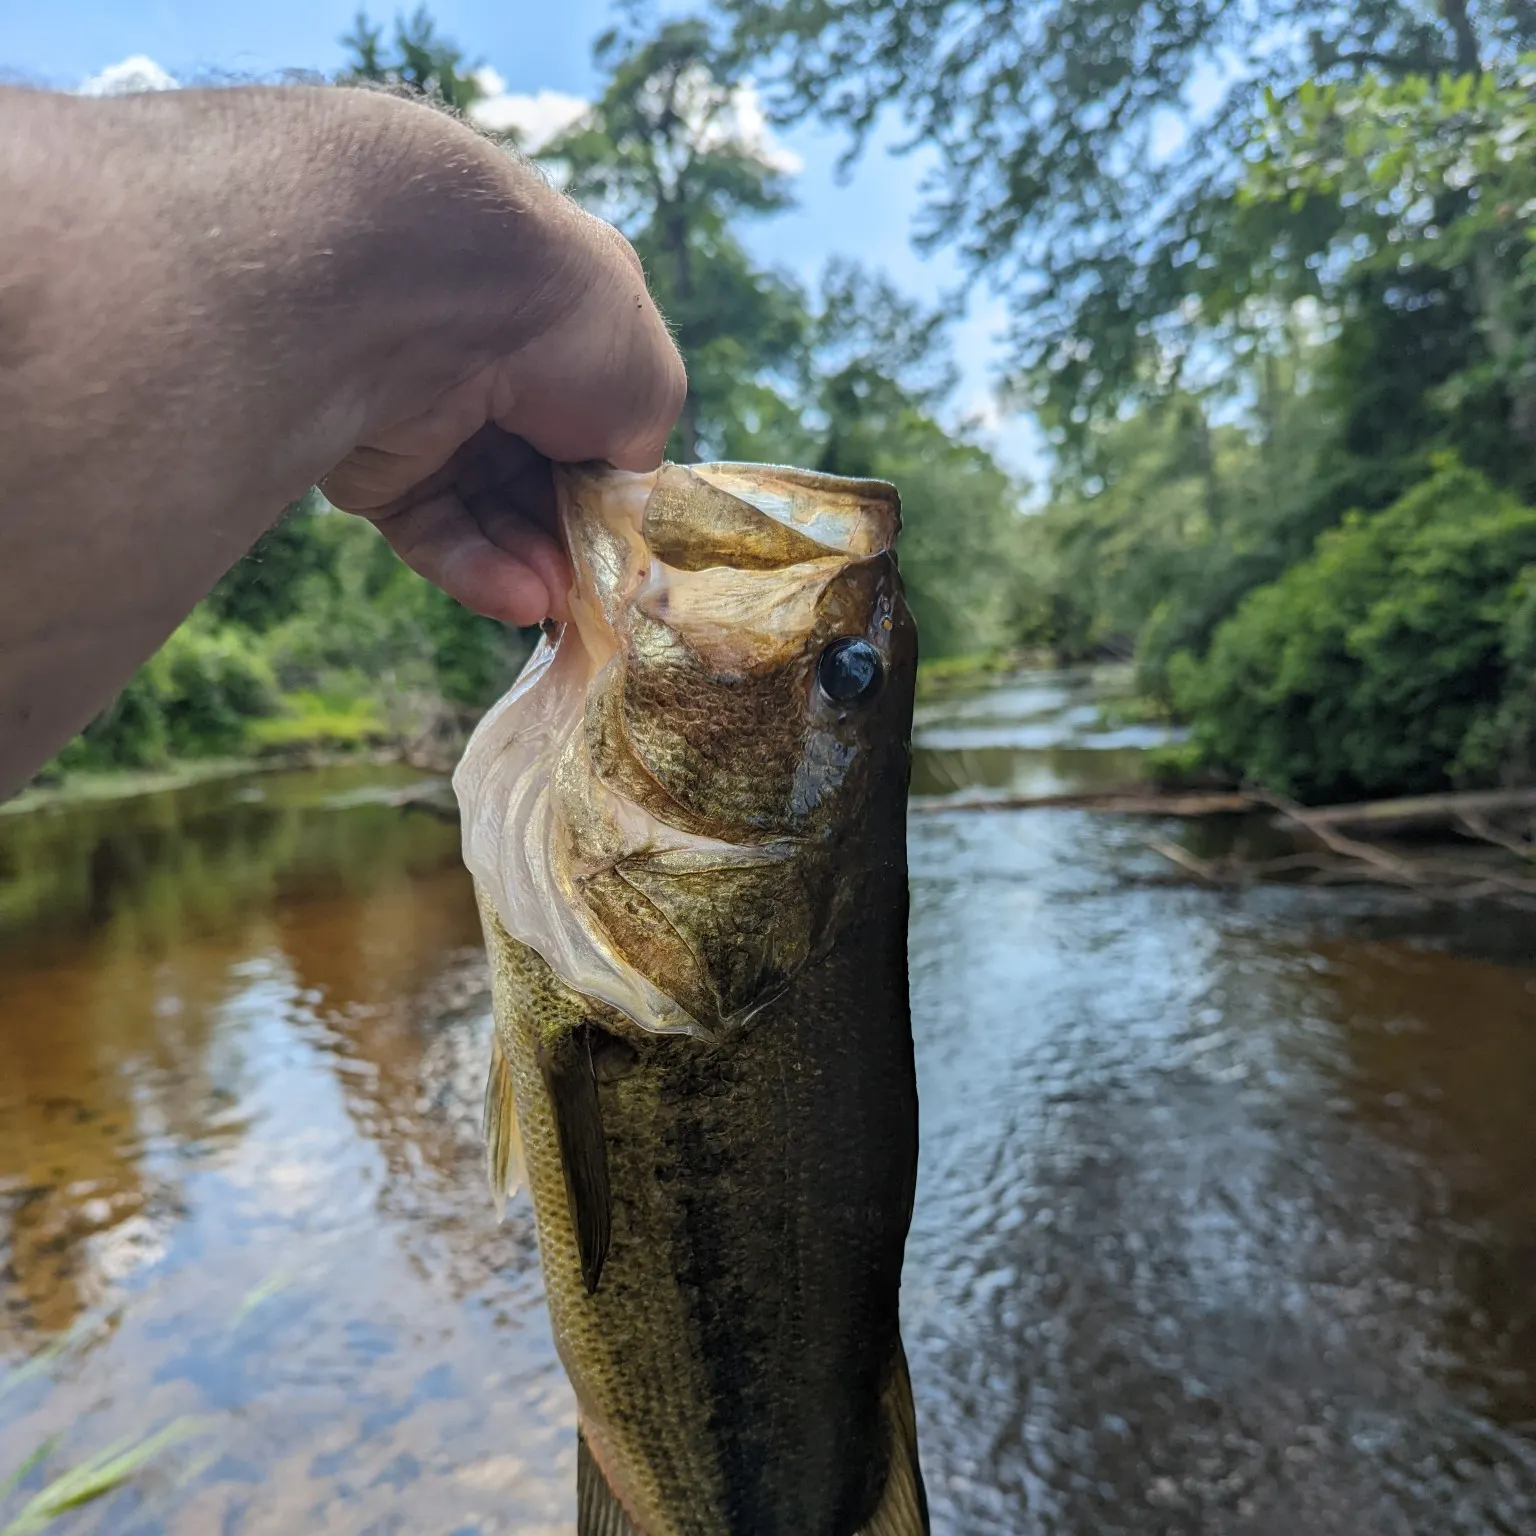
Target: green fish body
pixel 687 828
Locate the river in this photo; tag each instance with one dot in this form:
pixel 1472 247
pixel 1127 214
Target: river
pixel 1226 1220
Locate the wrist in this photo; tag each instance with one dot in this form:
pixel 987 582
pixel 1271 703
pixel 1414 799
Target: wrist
pixel 344 253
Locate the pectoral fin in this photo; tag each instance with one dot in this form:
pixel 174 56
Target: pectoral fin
pixel 903 1508
pixel 503 1144
pixel 571 1079
pixel 598 1511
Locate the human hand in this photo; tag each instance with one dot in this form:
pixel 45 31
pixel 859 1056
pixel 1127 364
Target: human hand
pixel 212 300
pixel 458 481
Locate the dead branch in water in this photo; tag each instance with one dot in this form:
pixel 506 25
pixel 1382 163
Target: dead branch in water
pixel 1475 826
pixel 434 798
pixel 1434 876
pixel 1433 880
pixel 1208 871
pixel 1391 867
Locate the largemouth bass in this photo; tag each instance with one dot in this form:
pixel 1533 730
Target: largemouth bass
pixel 687 827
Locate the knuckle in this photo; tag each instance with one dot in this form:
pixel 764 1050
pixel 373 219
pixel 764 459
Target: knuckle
pixel 675 380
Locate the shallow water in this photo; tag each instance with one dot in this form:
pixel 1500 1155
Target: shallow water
pixel 1226 1220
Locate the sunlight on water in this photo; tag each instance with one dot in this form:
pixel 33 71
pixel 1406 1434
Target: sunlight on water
pixel 1225 1221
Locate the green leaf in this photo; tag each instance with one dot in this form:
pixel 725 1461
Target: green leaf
pixel 99 1475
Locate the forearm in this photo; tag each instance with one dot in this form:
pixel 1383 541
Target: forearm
pixel 200 298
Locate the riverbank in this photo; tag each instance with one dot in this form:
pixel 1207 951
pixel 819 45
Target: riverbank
pixel 1220 1224
pixel 83 786
pixel 88 786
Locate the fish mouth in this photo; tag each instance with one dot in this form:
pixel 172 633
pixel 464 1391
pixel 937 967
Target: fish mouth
pixel 566 850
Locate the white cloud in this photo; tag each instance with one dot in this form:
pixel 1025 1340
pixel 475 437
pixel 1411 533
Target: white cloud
pixel 535 119
pixel 540 118
pixel 750 128
pixel 138 72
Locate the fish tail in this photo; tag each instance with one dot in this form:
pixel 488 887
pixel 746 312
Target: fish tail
pixel 903 1508
pixel 598 1511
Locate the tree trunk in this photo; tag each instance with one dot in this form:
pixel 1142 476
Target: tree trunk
pixel 676 217
pixel 688 430
pixel 1458 18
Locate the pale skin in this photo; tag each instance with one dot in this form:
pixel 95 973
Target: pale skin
pixel 211 300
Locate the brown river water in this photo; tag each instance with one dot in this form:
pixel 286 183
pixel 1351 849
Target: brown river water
pixel 1226 1220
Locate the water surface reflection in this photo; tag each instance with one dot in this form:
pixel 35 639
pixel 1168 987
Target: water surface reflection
pixel 1225 1221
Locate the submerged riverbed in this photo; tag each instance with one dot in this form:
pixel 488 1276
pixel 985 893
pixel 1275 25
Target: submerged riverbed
pixel 1226 1219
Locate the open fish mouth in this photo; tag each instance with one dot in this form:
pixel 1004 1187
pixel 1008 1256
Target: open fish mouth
pixel 638 866
pixel 688 818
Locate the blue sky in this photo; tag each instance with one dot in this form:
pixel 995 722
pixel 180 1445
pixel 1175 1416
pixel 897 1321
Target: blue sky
pixel 533 47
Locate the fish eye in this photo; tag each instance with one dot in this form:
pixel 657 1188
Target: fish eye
pixel 849 672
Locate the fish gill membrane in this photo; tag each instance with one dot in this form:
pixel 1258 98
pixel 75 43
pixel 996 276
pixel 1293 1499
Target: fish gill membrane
pixel 686 827
pixel 742 577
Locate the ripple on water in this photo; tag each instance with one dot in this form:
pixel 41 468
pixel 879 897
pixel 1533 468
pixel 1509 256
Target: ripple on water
pixel 1225 1221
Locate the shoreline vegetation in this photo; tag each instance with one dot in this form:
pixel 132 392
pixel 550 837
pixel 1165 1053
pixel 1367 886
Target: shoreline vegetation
pixel 1456 845
pixel 287 744
pixel 1289 474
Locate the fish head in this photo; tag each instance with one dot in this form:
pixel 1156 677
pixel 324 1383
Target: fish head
pixel 761 694
pixel 739 768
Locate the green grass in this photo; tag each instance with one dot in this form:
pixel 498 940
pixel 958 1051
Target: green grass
pixel 87 784
pixel 99 1474
pixel 320 722
pixel 946 672
pixel 1134 709
pixel 105 1472
pixel 312 727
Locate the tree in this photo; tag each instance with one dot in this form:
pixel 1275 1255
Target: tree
pixel 1064 177
pixel 1167 517
pixel 267 586
pixel 665 156
pixel 1507 744
pixel 850 385
pixel 419 61
pixel 1380 664
pixel 874 375
pixel 1416 198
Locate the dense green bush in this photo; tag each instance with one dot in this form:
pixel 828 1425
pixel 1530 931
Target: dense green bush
pixel 363 626
pixel 1506 746
pixel 193 698
pixel 320 638
pixel 1381 664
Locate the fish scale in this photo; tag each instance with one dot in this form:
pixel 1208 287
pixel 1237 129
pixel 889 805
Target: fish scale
pixel 722 1206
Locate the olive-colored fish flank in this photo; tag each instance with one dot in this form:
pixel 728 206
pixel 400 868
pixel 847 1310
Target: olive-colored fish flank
pixel 687 829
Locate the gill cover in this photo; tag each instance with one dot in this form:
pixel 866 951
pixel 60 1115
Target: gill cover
pixel 650 806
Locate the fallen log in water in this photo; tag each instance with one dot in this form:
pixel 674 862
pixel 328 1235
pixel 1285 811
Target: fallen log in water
pixel 1467 811
pixel 1410 811
pixel 1431 878
pixel 1338 858
pixel 1341 858
pixel 1128 800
